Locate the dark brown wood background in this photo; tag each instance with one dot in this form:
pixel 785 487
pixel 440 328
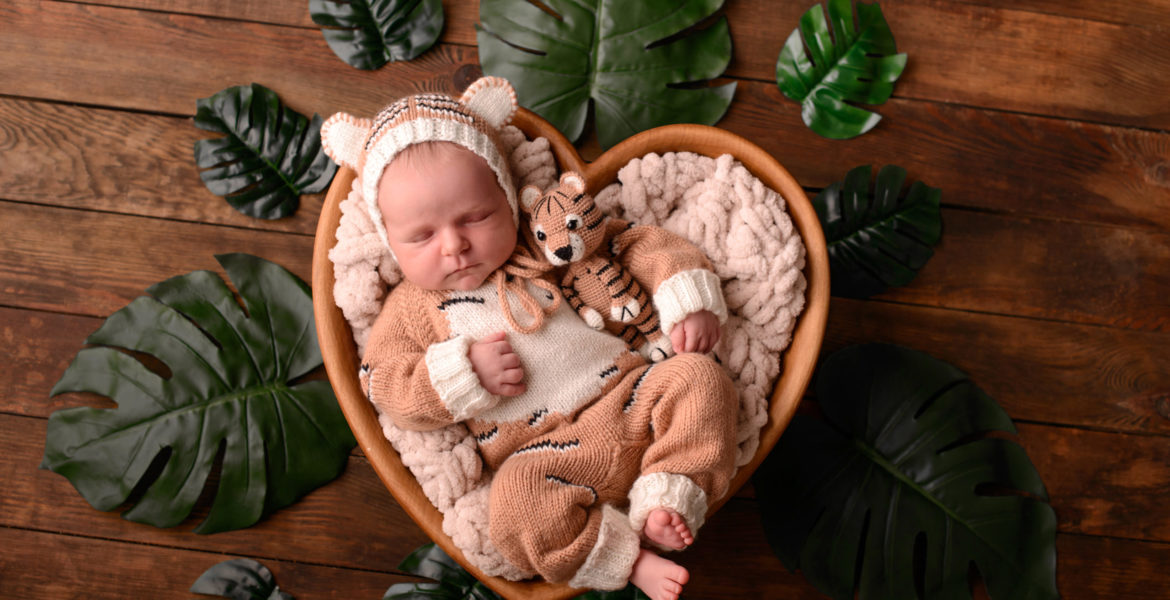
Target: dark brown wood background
pixel 1045 122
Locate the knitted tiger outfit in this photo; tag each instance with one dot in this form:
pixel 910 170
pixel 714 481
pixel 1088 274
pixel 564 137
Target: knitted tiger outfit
pixel 599 438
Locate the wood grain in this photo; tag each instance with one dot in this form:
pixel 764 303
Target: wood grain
pixel 996 58
pixel 461 15
pixel 1010 163
pixel 1147 13
pixel 115 161
pixel 62 566
pixel 985 263
pixel 43 565
pixel 1039 371
pixel 165 62
pixel 1086 379
pixel 1093 567
pixel 91 263
pixel 962 53
pixel 993 160
pixel 1044 269
pixel 369 534
pixel 351 522
pixel 1042 371
pixel 1099 484
pixel 1103 484
pixel 39 347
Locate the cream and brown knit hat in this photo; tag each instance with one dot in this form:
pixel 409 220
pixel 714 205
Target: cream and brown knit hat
pixel 473 122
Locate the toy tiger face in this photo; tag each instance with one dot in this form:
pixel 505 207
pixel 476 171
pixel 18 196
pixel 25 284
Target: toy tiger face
pixel 566 225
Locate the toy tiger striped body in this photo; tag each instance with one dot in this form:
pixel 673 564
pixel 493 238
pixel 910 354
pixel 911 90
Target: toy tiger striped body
pixel 571 231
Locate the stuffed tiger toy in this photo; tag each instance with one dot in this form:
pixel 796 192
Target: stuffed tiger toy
pixel 572 231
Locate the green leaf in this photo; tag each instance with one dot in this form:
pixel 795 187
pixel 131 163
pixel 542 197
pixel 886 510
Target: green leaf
pixel 239 579
pixel 826 72
pixel 452 582
pixel 901 488
pixel 271 154
pixel 877 239
pixel 229 390
pixel 641 63
pixel 370 33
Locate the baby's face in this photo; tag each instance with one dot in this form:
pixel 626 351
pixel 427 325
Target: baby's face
pixel 447 220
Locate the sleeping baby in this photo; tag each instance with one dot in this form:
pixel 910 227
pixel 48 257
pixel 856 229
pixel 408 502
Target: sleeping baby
pixel 595 452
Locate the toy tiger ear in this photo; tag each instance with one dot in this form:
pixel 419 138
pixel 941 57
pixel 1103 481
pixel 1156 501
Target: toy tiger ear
pixel 343 136
pixel 491 98
pixel 529 194
pixel 573 181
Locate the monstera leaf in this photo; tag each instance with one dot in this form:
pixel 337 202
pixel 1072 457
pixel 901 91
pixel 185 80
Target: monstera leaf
pixel 877 239
pixel 269 157
pixel 227 387
pixel 854 64
pixel 370 33
pixel 452 582
pixel 634 60
pixel 239 579
pixel 900 489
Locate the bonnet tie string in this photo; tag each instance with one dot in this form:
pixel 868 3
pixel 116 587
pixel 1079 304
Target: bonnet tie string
pixel 519 270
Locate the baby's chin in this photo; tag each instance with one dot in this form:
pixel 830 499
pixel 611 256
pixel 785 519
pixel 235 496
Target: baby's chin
pixel 466 281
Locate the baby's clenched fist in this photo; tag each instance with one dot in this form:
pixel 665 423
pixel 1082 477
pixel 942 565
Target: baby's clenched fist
pixel 497 365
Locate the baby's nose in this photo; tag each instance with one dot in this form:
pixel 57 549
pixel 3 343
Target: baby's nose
pixel 453 243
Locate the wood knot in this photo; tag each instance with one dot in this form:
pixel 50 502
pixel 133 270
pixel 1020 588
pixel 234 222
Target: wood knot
pixel 1162 405
pixel 465 75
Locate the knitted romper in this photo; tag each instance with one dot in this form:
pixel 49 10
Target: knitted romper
pixel 598 440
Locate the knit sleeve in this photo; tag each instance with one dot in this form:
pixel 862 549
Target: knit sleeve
pixel 420 381
pixel 678 273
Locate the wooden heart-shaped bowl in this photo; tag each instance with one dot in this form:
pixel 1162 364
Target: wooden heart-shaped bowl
pixel 340 352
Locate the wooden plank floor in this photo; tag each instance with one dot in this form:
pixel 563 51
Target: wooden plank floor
pixel 1045 122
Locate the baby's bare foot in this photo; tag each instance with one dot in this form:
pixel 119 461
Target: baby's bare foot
pixel 659 578
pixel 666 527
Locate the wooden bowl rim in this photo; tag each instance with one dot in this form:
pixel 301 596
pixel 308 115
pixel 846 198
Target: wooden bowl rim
pixel 799 359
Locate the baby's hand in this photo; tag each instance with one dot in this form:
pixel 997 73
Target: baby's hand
pixel 497 366
pixel 698 332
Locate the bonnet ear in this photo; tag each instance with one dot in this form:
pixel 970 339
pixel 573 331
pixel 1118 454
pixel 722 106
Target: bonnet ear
pixel 493 99
pixel 529 194
pixel 573 181
pixel 343 136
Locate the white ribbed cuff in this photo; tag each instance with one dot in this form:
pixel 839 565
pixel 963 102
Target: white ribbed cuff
pixel 455 380
pixel 611 561
pixel 667 490
pixel 689 292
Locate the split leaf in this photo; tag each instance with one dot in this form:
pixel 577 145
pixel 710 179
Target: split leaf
pixel 225 391
pixel 826 71
pixel 907 482
pixel 451 581
pixel 370 33
pixel 642 64
pixel 877 239
pixel 269 157
pixel 239 579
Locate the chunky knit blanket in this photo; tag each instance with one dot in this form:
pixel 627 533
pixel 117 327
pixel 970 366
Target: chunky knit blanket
pixel 715 203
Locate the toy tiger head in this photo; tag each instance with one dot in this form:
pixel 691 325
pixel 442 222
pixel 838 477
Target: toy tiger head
pixel 565 223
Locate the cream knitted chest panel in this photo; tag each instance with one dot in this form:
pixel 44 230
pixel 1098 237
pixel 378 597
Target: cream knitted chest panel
pixel 560 377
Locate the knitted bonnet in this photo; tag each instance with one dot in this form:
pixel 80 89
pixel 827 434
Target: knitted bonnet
pixel 473 122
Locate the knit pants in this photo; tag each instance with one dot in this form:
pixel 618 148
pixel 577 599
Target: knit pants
pixel 571 505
